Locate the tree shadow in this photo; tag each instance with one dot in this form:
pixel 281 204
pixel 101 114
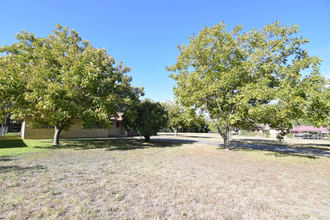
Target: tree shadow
pixel 184 135
pixel 256 140
pixel 111 144
pixel 315 146
pixel 5 158
pixel 6 169
pixel 277 154
pixel 11 143
pixel 280 154
pixel 176 140
pixel 239 149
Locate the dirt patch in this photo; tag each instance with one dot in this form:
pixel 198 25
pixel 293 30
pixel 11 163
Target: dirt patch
pixel 162 182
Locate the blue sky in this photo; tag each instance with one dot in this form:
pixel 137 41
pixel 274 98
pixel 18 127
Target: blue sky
pixel 144 34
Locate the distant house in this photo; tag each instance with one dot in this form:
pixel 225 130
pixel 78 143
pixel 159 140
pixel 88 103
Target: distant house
pixel 302 132
pixel 258 129
pixel 309 132
pixel 304 128
pixel 261 129
pixel 46 132
pixel 273 132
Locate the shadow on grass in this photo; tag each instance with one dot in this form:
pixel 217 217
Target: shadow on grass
pixel 186 136
pixel 278 143
pixel 277 154
pixel 5 158
pixel 6 169
pixel 111 144
pixel 239 149
pixel 11 142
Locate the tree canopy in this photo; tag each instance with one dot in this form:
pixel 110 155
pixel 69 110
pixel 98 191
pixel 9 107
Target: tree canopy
pixel 242 78
pixel 146 118
pixel 316 101
pixel 61 77
pixel 174 112
pixel 183 118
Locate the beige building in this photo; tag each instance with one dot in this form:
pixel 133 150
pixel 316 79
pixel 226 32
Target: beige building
pixel 46 132
pixel 258 129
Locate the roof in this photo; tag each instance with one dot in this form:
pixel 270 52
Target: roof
pixel 261 127
pixel 309 128
pixel 119 118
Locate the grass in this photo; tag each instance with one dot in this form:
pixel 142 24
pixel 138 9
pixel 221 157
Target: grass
pixel 260 140
pixel 280 157
pixel 288 142
pixel 11 144
pixel 131 179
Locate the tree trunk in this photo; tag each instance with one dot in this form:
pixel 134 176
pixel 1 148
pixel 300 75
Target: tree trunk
pixel 225 142
pixel 147 138
pixel 226 137
pixel 175 131
pixel 57 136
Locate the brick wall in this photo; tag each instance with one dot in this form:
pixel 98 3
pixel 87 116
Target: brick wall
pixel 75 131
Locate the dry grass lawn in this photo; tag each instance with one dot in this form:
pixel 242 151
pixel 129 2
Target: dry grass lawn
pixel 129 179
pixel 287 142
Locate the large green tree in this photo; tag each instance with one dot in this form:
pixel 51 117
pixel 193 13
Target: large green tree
pixel 146 118
pixel 61 77
pixel 242 78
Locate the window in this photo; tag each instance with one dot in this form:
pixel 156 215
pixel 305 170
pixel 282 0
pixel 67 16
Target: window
pixel 47 126
pixel 96 126
pixel 117 124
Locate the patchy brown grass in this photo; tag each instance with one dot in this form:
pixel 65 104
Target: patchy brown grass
pixel 287 142
pixel 158 180
pixel 259 140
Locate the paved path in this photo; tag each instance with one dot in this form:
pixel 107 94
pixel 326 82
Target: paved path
pixel 219 143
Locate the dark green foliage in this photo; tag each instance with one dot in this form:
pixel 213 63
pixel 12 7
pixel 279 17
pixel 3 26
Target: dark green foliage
pixel 146 118
pixel 61 77
pixel 184 119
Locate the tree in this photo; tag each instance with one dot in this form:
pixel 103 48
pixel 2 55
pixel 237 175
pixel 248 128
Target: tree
pixel 147 118
pixel 242 78
pixel 174 112
pixel 59 78
pixel 180 118
pixel 317 101
pixel 191 122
